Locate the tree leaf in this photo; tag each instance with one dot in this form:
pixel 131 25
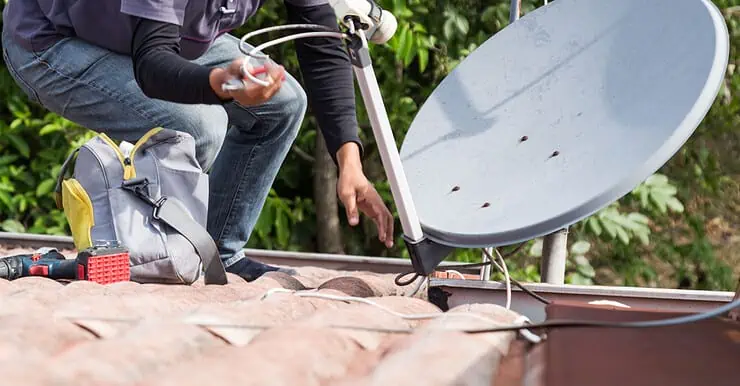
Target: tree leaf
pixel 462 24
pixel 580 247
pixel 675 204
pixel 11 225
pixel 281 228
pixel 16 122
pixel 656 180
pixel 610 227
pixel 643 237
pixel 622 235
pixel 266 219
pixel 423 54
pixel 536 249
pixel 578 279
pixel 410 53
pixel 50 128
pixel 584 266
pixel 593 224
pixel 45 187
pixel 638 218
pixel 448 29
pixel 404 43
pixel 19 143
pixel 8 159
pixel 6 199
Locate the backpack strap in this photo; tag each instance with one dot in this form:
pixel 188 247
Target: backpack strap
pixel 172 214
pixel 63 173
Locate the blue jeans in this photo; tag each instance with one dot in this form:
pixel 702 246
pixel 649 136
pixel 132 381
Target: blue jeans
pixel 242 148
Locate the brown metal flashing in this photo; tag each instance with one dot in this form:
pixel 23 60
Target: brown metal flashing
pixel 523 365
pixel 458 292
pixel 703 353
pixel 735 314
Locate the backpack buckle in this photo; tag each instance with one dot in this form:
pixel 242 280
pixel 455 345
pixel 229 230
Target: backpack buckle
pixel 140 188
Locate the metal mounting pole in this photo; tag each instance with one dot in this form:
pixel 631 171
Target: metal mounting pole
pixel 554 255
pixel 386 143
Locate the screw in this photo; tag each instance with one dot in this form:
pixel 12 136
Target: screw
pixel 524 138
pixel 486 205
pixel 455 189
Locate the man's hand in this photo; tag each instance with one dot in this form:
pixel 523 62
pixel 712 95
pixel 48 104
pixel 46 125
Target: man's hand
pixel 252 94
pixel 359 195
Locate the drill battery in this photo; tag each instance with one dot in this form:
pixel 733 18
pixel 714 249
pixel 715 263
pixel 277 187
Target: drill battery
pixel 102 265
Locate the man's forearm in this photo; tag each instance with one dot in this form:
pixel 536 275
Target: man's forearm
pixel 161 73
pixel 348 156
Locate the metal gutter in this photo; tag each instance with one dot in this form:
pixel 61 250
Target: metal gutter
pixel 293 259
pixel 31 240
pixel 339 262
pixel 459 292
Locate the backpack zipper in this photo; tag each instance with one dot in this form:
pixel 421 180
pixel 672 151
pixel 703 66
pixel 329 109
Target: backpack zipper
pixel 129 169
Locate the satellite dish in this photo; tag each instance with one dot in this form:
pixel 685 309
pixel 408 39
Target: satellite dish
pixel 560 114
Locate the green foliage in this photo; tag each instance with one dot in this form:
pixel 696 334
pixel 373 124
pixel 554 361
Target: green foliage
pixel 659 219
pixel 33 143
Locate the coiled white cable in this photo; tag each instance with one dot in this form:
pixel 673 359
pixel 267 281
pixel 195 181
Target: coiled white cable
pixel 256 52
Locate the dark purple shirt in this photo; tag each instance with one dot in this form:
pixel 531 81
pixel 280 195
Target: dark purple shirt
pixel 37 24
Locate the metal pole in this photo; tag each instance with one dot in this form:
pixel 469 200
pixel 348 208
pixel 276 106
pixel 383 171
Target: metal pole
pixel 554 255
pixel 515 10
pixel 485 271
pixel 383 133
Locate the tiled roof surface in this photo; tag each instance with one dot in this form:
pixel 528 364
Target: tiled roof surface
pixel 242 333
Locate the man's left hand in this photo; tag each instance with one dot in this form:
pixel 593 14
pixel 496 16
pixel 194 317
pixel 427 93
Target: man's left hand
pixel 359 195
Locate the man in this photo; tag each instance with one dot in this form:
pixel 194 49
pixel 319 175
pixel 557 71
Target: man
pixel 125 66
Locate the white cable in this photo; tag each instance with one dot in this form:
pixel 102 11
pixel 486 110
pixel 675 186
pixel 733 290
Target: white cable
pixel 256 52
pixel 374 304
pixel 462 277
pixel 528 335
pixel 418 286
pixel 315 27
pixel 502 267
pixel 275 290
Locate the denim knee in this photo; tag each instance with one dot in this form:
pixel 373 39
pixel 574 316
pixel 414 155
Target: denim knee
pixel 207 125
pixel 292 104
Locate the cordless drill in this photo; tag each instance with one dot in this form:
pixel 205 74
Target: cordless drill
pixel 102 265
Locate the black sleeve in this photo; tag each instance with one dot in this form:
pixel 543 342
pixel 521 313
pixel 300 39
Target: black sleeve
pixel 327 74
pixel 161 72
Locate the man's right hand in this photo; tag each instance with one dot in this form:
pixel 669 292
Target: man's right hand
pixel 252 94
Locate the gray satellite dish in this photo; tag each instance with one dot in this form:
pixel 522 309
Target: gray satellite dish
pixel 560 114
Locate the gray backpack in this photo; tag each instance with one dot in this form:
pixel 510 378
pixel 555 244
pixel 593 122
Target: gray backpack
pixel 150 197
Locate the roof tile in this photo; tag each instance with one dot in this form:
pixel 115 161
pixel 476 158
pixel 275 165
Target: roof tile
pixel 258 332
pixel 433 358
pixel 143 349
pixel 283 356
pixel 26 334
pixel 351 286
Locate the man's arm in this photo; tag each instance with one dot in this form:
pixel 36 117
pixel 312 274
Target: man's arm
pixel 161 72
pixel 327 73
